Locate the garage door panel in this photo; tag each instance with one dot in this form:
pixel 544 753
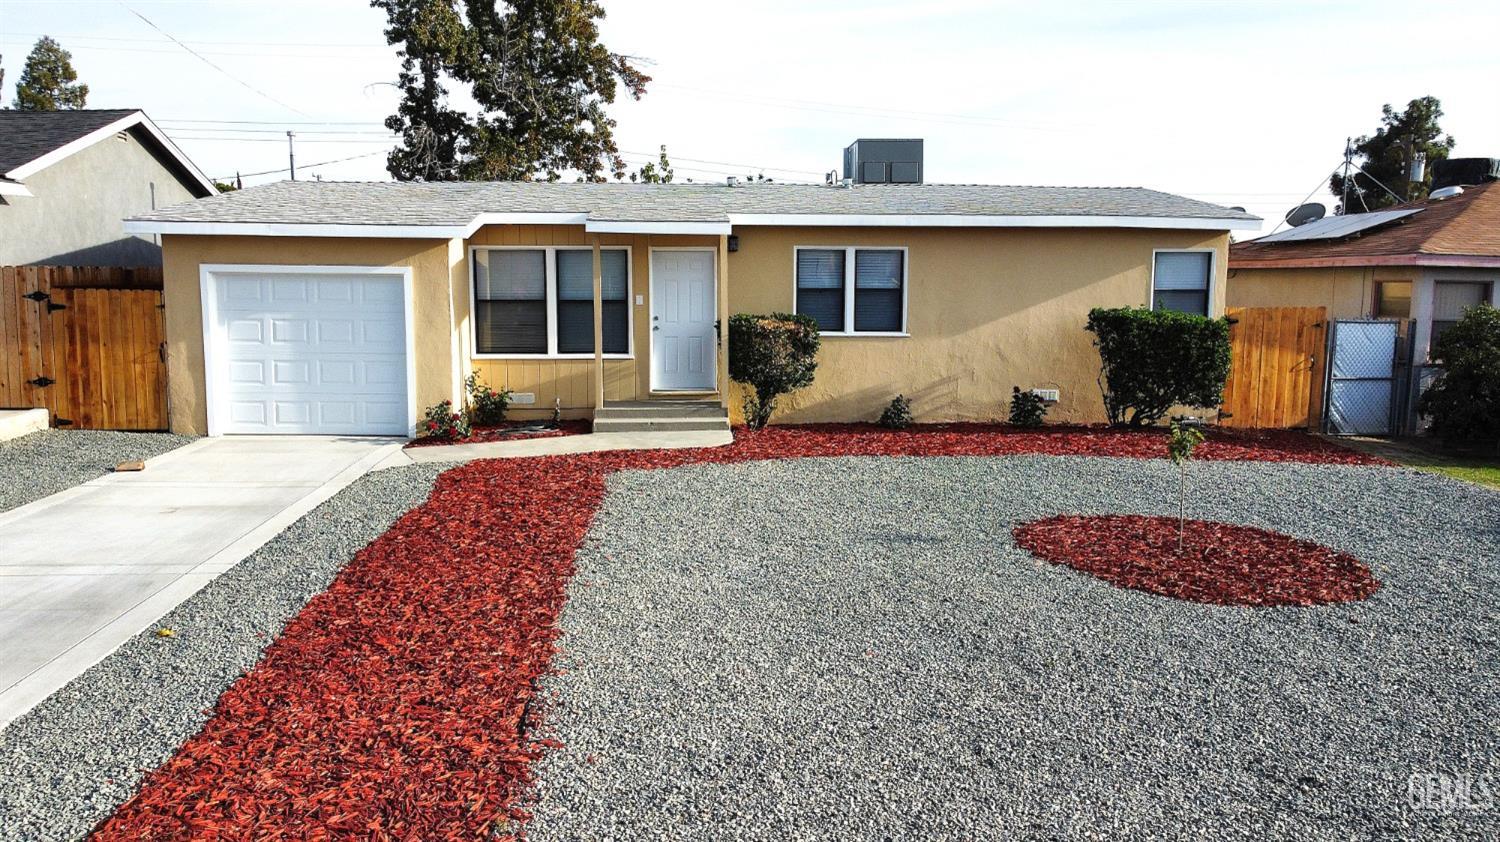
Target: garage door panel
pixel 312 353
pixel 335 332
pixel 288 289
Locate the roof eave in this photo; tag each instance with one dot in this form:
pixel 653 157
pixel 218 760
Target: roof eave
pixel 1478 261
pixel 706 227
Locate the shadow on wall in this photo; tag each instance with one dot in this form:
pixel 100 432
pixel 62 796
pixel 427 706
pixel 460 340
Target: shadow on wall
pixel 932 400
pixel 126 251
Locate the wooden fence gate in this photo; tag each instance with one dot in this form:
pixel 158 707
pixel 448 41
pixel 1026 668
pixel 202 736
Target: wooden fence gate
pixel 86 343
pixel 1276 367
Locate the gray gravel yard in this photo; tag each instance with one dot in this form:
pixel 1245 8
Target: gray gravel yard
pixel 43 463
pixel 66 764
pixel 853 648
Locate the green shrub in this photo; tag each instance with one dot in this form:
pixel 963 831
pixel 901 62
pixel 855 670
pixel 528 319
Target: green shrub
pixel 897 415
pixel 443 423
pixel 1027 408
pixel 772 355
pixel 486 406
pixel 1464 403
pixel 1153 360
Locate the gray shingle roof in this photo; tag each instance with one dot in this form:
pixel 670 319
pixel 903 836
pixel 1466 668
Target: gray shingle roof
pixel 28 135
pixel 458 203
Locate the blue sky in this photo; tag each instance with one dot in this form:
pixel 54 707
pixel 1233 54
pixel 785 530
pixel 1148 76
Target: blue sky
pixel 1243 103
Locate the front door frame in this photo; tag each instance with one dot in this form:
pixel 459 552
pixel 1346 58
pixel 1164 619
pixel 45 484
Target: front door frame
pixel 650 321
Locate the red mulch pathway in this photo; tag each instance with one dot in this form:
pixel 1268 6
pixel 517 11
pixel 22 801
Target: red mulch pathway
pixel 1220 563
pixel 397 704
pixel 510 431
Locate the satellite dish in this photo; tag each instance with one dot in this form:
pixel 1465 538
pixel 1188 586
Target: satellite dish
pixel 1303 214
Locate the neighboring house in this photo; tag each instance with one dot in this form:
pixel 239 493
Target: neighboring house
pixel 346 308
pixel 68 178
pixel 1424 261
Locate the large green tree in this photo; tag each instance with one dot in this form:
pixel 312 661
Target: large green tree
pixel 48 81
pixel 1387 156
pixel 537 73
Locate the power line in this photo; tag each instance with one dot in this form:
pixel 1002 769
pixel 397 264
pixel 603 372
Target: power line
pixel 279 139
pixel 304 166
pixel 203 41
pixel 210 63
pixel 279 122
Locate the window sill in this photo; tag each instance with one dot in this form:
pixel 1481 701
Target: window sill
pixel 861 334
pixel 548 356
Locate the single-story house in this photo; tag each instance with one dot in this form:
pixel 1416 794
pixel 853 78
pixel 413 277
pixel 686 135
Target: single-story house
pixel 347 308
pixel 1424 262
pixel 67 179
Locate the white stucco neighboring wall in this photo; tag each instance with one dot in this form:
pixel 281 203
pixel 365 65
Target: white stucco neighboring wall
pixel 75 214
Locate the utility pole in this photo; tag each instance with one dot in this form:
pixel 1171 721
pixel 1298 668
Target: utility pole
pixel 291 153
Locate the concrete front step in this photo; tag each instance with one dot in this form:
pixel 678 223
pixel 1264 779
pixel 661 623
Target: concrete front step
pixel 658 424
pixel 661 409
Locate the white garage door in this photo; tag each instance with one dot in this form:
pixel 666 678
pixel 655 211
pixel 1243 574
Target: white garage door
pixel 310 352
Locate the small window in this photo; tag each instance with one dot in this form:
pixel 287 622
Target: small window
pixel 1449 301
pixel 541 301
pixel 510 302
pixel 820 287
pixel 1393 300
pixel 853 290
pixel 1180 281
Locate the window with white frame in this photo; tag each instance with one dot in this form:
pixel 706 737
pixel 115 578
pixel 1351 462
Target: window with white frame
pixel 1180 281
pixel 853 290
pixel 540 301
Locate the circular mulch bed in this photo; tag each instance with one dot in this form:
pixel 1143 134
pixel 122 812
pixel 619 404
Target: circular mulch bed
pixel 1220 563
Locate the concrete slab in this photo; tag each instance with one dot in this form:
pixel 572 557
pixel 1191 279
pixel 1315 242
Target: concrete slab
pixel 588 443
pixel 15 423
pixel 84 570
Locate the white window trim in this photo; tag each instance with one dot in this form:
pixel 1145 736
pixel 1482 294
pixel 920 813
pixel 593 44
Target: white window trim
pixel 551 268
pixel 1213 274
pixel 849 251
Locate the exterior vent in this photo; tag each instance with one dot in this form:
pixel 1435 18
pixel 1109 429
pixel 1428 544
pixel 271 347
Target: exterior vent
pixel 1445 192
pixel 884 161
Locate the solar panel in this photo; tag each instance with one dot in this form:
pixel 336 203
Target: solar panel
pixel 1334 227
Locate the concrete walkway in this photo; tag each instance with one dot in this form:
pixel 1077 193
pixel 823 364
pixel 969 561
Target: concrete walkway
pixel 84 570
pixel 587 443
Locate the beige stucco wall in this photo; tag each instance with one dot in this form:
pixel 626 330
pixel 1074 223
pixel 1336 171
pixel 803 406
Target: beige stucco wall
pixel 1347 292
pixel 437 267
pixel 988 309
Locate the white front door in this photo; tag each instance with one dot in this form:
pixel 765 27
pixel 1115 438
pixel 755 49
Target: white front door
pixel 308 350
pixel 684 307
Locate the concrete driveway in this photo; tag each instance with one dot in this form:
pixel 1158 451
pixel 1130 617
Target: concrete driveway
pixel 84 570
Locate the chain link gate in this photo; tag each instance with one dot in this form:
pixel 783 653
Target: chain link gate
pixel 1369 366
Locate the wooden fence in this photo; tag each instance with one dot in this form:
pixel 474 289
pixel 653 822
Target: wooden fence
pixel 87 343
pixel 1276 368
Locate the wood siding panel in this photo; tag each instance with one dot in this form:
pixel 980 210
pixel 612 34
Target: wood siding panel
pixel 100 341
pixel 1276 367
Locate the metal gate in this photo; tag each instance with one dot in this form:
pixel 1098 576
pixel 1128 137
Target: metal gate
pixel 1367 375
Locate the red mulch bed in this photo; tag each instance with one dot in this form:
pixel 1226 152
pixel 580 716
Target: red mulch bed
pixel 397 704
pixel 510 431
pixel 1220 563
